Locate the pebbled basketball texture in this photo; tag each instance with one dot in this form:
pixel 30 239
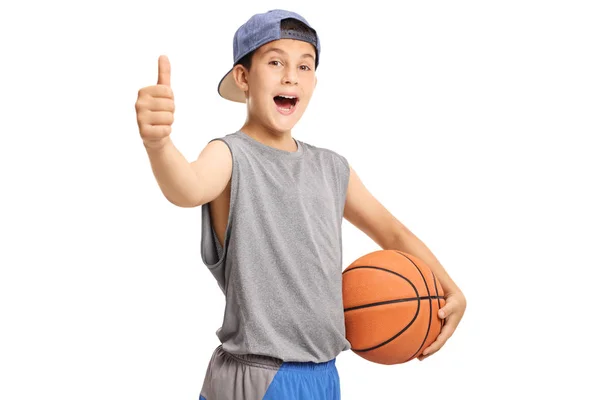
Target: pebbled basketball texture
pixel 391 300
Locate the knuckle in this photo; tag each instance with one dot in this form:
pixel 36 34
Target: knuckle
pixel 145 91
pixel 150 91
pixel 145 132
pixel 167 91
pixel 140 105
pixel 153 91
pixel 143 114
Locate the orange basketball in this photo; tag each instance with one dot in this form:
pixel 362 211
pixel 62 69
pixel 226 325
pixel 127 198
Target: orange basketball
pixel 391 300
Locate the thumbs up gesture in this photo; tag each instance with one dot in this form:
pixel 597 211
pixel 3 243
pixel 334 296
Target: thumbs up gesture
pixel 155 107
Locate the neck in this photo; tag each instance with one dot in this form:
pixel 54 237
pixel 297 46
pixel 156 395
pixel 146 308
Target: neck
pixel 281 140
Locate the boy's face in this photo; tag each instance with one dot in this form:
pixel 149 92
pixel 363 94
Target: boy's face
pixel 282 67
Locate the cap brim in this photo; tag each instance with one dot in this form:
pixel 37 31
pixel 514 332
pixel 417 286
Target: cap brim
pixel 228 89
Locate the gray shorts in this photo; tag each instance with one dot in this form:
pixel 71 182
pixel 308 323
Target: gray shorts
pixel 256 377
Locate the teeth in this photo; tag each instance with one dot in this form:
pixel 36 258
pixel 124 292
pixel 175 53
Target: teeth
pixel 287 97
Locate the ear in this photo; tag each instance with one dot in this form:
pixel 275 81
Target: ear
pixel 240 76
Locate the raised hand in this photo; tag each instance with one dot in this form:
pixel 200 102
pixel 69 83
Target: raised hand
pixel 155 107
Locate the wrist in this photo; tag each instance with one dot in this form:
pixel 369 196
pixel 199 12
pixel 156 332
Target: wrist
pixel 156 145
pixel 454 291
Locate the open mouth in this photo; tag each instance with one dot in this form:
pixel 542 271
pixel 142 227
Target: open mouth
pixel 285 104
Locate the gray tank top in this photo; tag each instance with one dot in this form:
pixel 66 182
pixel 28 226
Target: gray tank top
pixel 280 267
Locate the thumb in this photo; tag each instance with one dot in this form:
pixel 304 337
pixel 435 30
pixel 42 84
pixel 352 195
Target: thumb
pixel 164 71
pixel 446 310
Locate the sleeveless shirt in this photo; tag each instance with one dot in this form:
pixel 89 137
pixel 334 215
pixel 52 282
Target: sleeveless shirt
pixel 280 267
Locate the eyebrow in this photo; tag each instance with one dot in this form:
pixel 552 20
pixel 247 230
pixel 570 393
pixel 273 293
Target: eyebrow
pixel 278 50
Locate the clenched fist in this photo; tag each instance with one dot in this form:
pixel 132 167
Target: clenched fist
pixel 155 107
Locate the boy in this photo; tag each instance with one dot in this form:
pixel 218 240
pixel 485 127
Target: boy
pixel 272 208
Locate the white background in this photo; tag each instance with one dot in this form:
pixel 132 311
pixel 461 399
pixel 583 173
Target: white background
pixel 474 122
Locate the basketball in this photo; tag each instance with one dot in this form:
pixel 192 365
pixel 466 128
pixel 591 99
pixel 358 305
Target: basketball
pixel 391 301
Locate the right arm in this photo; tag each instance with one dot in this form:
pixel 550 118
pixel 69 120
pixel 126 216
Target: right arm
pixel 192 184
pixel 183 183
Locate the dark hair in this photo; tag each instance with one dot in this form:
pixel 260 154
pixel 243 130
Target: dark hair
pixel 246 61
pixel 288 24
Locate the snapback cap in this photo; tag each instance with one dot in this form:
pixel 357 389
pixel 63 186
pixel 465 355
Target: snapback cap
pixel 258 30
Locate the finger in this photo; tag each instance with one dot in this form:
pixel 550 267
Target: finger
pixel 161 104
pixel 160 118
pixel 448 309
pixel 154 132
pixel 445 333
pixel 164 71
pixel 161 91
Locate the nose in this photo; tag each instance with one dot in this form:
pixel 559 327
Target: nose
pixel 290 76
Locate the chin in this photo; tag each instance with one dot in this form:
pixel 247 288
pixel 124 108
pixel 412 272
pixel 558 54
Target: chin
pixel 285 123
pixel 282 128
pixel 282 123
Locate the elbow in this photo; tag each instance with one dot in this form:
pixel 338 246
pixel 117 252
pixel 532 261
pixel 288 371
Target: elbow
pixel 183 203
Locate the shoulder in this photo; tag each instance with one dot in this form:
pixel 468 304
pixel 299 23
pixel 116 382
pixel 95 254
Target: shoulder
pixel 230 141
pixel 227 138
pixel 326 153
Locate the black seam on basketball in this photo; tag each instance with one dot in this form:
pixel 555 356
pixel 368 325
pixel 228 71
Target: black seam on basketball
pixel 436 291
pixel 409 324
pixel 437 294
pixel 382 303
pixel 430 305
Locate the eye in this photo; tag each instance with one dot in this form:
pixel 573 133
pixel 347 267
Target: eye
pixel 305 67
pixel 275 61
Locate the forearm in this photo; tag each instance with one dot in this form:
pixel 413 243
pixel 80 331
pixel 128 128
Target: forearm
pixel 175 176
pixel 408 242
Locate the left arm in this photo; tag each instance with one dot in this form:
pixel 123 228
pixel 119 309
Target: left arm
pixel 365 212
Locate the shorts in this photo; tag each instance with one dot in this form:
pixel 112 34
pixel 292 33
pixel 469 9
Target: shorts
pixel 257 377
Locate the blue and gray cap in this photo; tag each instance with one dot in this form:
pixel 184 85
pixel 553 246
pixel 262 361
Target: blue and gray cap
pixel 258 30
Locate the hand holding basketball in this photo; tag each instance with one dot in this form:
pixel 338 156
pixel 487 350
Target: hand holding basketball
pixel 391 303
pixel 395 308
pixel 451 313
pixel 155 107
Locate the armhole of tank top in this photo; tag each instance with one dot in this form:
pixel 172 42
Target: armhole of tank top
pixel 210 234
pixel 344 181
